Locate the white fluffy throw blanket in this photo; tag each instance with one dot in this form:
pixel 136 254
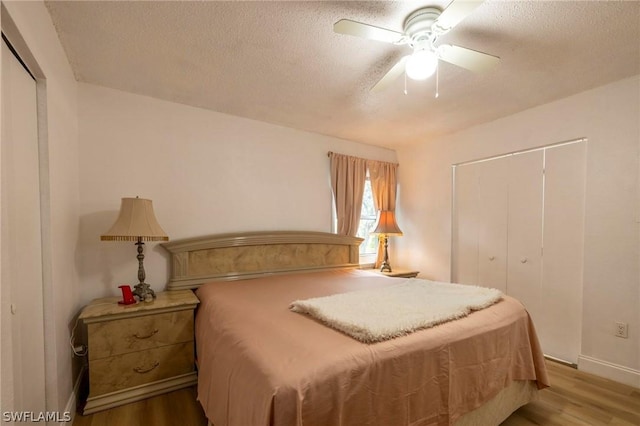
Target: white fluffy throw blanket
pixel 384 313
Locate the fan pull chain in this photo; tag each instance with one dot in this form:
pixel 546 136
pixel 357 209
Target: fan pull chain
pixel 405 83
pixel 437 82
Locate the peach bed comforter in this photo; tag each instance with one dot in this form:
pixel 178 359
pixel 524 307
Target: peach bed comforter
pixel 261 364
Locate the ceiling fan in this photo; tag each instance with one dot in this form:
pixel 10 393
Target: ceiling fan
pixel 422 28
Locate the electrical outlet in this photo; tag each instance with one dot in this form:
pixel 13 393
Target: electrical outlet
pixel 622 330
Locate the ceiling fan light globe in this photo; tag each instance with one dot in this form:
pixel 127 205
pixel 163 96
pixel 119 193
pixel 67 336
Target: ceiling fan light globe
pixel 421 65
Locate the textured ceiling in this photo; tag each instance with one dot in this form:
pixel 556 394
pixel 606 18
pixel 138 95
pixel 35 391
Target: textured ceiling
pixel 281 62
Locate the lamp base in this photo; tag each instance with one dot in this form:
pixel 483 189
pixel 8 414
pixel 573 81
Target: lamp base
pixel 385 267
pixel 143 291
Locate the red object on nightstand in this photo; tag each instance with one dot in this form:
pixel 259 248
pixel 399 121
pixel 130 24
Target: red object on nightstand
pixel 127 295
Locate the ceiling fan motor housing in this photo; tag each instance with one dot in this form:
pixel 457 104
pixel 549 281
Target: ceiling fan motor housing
pixel 419 26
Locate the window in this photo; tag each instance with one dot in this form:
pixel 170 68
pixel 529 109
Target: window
pixel 368 217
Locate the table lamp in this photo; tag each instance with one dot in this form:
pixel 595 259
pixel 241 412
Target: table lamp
pixel 137 222
pixel 386 226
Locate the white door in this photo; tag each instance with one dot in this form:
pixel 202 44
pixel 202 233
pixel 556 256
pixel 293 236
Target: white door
pixel 22 327
pixel 480 218
pixel 493 181
pixel 524 265
pixel 561 285
pixel 465 231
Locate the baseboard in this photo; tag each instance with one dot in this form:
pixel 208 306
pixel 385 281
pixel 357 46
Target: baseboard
pixel 72 402
pixel 609 370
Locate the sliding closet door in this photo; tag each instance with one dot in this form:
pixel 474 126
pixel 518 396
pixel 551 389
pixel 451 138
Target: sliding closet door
pixel 525 205
pixel 493 182
pixel 465 231
pixel 22 301
pixel 480 223
pixel 561 287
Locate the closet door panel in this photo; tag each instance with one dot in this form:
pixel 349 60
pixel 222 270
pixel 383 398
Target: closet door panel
pixel 22 328
pixel 561 286
pixel 492 223
pixel 525 230
pixel 465 225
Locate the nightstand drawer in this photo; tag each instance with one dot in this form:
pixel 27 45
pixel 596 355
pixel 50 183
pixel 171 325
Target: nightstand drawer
pixel 138 368
pixel 127 335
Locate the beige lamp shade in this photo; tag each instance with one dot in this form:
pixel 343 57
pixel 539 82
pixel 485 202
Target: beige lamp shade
pixel 135 222
pixel 387 224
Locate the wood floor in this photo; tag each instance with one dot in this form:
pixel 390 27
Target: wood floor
pixel 577 398
pixel 574 398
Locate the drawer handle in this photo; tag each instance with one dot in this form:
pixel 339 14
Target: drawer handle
pixel 146 370
pixel 137 336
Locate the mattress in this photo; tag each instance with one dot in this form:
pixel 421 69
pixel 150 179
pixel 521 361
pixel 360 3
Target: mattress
pixel 261 364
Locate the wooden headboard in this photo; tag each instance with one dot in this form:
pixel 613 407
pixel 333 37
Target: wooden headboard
pixel 226 257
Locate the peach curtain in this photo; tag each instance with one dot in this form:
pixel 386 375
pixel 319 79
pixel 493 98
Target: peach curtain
pixel 348 175
pixel 383 185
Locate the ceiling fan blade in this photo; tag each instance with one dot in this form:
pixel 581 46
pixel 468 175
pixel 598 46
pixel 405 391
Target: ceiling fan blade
pixel 456 12
pixel 358 29
pixel 390 76
pixel 466 58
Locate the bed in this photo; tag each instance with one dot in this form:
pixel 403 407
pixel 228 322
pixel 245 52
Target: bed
pixel 261 364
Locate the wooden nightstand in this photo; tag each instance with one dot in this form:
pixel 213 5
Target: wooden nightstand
pixel 138 351
pixel 400 273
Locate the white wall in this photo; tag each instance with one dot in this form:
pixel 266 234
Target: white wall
pixel 609 117
pixel 34 29
pixel 206 173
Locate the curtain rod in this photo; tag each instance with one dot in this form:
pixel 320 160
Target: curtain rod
pixel 367 159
